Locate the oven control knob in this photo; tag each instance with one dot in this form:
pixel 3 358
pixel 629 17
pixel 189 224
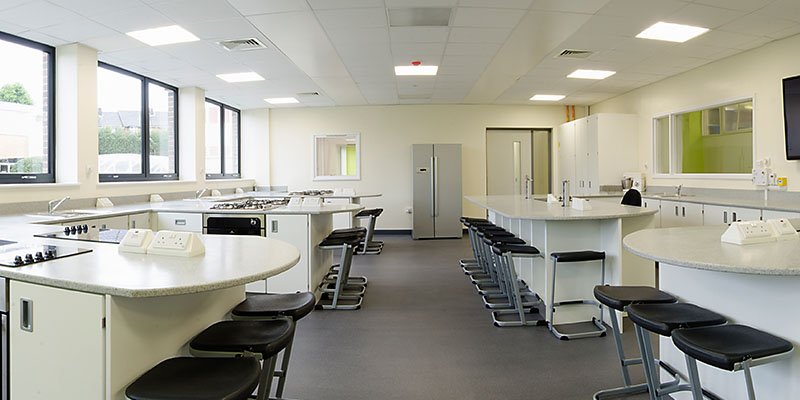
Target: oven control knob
pixel 39 256
pixel 73 228
pixel 253 222
pixel 49 254
pixel 85 228
pixel 18 260
pixel 66 230
pixel 28 258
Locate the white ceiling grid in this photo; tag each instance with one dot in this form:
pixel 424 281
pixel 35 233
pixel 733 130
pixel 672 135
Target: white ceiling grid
pixel 492 51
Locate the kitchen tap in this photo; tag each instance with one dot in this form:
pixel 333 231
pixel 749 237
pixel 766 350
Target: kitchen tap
pixel 528 182
pixel 678 190
pixel 52 205
pixel 198 194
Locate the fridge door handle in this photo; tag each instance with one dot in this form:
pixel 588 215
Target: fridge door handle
pixel 436 184
pixel 433 190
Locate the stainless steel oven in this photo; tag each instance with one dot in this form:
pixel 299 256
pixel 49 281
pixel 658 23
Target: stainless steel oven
pixel 234 224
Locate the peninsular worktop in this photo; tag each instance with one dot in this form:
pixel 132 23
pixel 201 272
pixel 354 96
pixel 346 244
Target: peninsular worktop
pixel 537 208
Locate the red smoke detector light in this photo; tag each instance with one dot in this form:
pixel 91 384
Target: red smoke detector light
pixel 416 63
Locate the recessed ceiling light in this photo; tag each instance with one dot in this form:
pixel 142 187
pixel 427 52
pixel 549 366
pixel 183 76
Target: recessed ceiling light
pixel 671 32
pixel 241 77
pixel 281 100
pixel 164 35
pixel 547 97
pixel 407 70
pixel 591 74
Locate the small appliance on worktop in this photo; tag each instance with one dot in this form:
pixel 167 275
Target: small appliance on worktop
pixel 14 254
pixel 85 233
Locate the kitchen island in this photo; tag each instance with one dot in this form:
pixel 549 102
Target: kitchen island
pixel 552 228
pixel 340 220
pixel 754 284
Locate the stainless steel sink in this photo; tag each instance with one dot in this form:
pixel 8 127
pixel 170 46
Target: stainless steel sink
pixel 64 214
pixel 667 195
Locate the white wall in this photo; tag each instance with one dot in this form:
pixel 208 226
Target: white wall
pixel 255 145
pixel 757 73
pixel 387 133
pixel 77 146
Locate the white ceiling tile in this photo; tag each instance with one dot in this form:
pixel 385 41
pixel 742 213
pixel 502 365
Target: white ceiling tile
pixel 758 41
pixel 353 18
pixel 724 39
pixel 115 42
pixel 757 24
pixel 421 34
pixel 358 35
pixel 478 35
pixel 697 50
pixel 133 19
pixel 703 16
pixel 92 7
pixel 42 38
pixel 381 98
pixel 37 14
pixel 741 5
pixel 255 7
pixel 486 17
pixel 518 4
pixel 641 8
pixel 78 30
pixel 573 6
pixel 6 4
pixel 226 29
pixel 191 11
pixel 472 49
pixel 405 48
pixel 331 4
pixel 420 3
pixel 788 9
pixel 605 25
pixel 11 28
pixel 790 31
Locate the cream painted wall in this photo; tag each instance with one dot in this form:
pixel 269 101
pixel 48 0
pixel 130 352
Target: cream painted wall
pixel 756 72
pixel 76 140
pixel 387 133
pixel 255 145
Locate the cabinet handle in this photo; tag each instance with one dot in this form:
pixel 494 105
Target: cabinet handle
pixel 26 314
pixel 133 224
pixel 734 217
pixel 724 217
pixel 676 211
pixel 684 211
pixel 590 184
pixel 274 226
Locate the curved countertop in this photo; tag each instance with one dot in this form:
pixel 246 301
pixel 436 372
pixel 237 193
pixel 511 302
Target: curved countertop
pixel 517 206
pixel 699 247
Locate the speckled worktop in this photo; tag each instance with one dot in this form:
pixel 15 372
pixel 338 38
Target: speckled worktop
pixel 777 204
pixel 537 209
pixel 700 247
pixel 229 260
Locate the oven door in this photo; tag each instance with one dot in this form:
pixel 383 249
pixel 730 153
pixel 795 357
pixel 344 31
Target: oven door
pixel 234 225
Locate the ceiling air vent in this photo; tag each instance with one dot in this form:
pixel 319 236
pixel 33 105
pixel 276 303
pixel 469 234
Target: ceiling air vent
pixel 570 53
pixel 243 44
pixel 308 94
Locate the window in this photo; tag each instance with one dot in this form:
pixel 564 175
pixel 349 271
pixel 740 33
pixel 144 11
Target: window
pixel 223 134
pixel 714 140
pixel 137 122
pixel 27 111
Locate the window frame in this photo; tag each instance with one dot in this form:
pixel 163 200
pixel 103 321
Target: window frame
pixel 146 175
pixel 50 175
pixel 673 156
pixel 224 174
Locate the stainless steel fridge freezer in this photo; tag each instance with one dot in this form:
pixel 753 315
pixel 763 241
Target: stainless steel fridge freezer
pixel 436 191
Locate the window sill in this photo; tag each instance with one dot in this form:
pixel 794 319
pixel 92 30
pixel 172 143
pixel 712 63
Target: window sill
pixel 141 183
pixel 230 180
pixel 40 185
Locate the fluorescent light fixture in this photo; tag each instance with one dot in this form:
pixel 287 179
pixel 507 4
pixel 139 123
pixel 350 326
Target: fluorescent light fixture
pixel 591 74
pixel 240 77
pixel 671 32
pixel 409 70
pixel 164 35
pixel 547 97
pixel 281 100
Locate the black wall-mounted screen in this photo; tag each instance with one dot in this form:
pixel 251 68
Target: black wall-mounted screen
pixel 791 116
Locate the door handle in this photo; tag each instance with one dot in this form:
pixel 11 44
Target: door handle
pixel 26 314
pixel 724 217
pixel 684 211
pixel 734 217
pixel 274 226
pixel 433 190
pixel 436 184
pixel 676 211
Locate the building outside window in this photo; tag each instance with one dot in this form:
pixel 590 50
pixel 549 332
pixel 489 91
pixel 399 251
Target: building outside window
pixel 223 137
pixel 27 110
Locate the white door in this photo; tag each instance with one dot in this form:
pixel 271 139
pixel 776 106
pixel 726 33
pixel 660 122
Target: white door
pixel 566 157
pixel 670 214
pixel 582 157
pixel 745 214
pixel 294 230
pixel 541 161
pixel 716 215
pixel 691 214
pixel 508 161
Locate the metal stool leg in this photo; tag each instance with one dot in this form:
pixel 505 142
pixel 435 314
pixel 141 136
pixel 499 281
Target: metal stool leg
pixel 628 389
pixel 265 381
pixel 694 378
pixel 283 372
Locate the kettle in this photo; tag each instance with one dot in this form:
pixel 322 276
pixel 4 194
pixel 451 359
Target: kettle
pixel 627 183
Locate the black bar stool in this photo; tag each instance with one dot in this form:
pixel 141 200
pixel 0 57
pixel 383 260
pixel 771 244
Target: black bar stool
pixel 339 293
pixel 616 298
pixel 369 246
pixel 189 378
pixel 569 257
pixel 330 277
pixel 490 282
pixel 663 319
pixel 477 232
pixel 728 347
pixel 261 338
pixel 293 306
pixel 521 302
pixel 468 264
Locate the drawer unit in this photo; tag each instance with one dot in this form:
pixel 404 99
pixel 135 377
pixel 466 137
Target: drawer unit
pixel 188 222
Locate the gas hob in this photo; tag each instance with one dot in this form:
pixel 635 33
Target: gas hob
pixel 253 204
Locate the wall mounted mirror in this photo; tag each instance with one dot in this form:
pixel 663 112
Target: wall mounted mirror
pixel 337 157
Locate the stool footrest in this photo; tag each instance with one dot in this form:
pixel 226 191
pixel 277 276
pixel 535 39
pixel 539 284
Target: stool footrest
pixel 531 317
pixel 600 330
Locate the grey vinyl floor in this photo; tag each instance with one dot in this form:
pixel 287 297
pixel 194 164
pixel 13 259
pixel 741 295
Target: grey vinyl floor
pixel 423 333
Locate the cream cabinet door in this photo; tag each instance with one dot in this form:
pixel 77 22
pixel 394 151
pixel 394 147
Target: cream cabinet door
pixel 653 205
pixel 57 343
pixel 292 229
pixel 141 221
pixel 774 214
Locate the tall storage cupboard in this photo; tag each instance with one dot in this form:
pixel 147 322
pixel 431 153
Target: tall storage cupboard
pixel 595 151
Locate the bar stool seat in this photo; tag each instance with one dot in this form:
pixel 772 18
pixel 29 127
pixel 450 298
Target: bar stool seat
pixel 188 378
pixel 619 297
pixel 726 346
pixel 265 337
pixel 578 256
pixel 664 318
pixel 505 247
pixel 292 305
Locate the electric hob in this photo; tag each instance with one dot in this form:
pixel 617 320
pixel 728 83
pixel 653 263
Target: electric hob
pixel 13 254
